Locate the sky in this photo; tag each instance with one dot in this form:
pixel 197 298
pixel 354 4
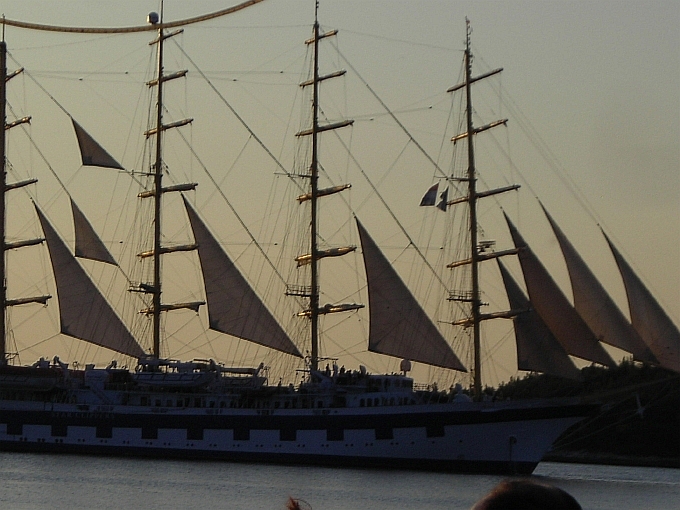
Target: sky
pixel 594 84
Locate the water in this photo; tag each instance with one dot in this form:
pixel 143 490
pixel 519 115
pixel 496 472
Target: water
pixel 30 481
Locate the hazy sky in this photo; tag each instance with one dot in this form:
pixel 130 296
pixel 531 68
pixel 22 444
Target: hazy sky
pixel 598 81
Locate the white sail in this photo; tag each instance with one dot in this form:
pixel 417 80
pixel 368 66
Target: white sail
pixel 233 306
pixel 83 311
pixel 398 325
pixel 648 318
pixel 91 153
pixel 88 244
pixel 596 307
pixel 554 308
pixel 537 348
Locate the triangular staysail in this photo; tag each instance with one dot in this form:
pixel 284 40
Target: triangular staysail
pixel 91 153
pixel 83 311
pixel 648 318
pixel 398 325
pixel 88 244
pixel 537 348
pixel 596 307
pixel 554 307
pixel 233 306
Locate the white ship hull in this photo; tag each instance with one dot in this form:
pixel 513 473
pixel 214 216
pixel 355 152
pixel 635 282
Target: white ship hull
pixel 456 437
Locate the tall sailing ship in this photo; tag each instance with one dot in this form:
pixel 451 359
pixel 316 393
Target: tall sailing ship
pixel 205 409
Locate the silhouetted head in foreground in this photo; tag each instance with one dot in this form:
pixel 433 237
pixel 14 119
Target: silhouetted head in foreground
pixel 297 504
pixel 526 495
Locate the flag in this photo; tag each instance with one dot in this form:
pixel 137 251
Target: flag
pixel 431 196
pixel 444 199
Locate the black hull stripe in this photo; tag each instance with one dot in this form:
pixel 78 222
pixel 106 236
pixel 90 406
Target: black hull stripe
pixel 451 466
pixel 297 422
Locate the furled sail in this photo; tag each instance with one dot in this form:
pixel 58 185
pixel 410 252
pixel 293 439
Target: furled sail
pixel 88 244
pixel 233 306
pixel 83 311
pixel 398 325
pixel 596 307
pixel 648 318
pixel 537 348
pixel 554 307
pixel 91 153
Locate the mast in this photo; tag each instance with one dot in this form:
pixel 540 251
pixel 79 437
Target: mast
pixel 158 178
pixel 478 251
pixel 158 190
pixel 3 186
pixel 313 257
pixel 314 179
pixel 472 204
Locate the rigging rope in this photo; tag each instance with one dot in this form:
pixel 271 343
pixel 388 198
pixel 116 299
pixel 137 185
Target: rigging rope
pixel 212 178
pixel 239 118
pixel 394 117
pixel 126 30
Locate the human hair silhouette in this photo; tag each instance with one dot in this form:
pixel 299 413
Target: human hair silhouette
pixel 297 504
pixel 526 495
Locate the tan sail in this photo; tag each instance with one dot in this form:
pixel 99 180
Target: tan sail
pixel 596 307
pixel 83 311
pixel 88 244
pixel 554 308
pixel 91 153
pixel 398 325
pixel 650 320
pixel 233 306
pixel 537 348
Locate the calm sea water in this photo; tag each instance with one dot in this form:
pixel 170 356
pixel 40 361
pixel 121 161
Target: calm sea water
pixel 29 481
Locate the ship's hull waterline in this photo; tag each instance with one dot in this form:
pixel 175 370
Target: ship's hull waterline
pixel 456 437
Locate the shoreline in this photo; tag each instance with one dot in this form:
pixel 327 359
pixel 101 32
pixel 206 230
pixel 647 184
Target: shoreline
pixel 580 457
